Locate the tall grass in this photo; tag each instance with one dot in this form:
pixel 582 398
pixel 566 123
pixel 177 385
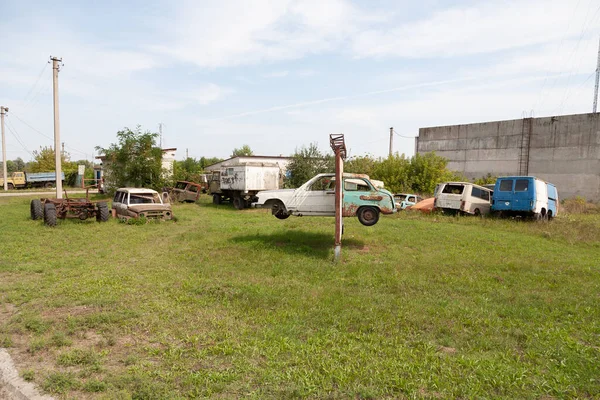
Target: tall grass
pixel 226 303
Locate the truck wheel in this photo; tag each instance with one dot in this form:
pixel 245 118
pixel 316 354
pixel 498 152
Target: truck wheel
pixel 279 211
pixel 49 185
pixel 37 211
pixel 216 199
pixel 50 214
pixel 10 186
pixel 102 212
pixel 238 203
pixel 368 216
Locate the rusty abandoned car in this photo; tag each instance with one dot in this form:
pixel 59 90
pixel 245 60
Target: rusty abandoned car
pixel 141 203
pixel 316 198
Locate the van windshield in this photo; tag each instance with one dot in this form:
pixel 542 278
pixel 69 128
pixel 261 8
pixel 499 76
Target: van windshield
pixel 453 189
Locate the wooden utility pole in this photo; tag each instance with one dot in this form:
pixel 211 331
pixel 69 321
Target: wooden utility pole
pixel 391 140
pixel 3 110
pixel 56 63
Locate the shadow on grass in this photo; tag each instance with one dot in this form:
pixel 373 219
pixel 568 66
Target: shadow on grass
pixel 310 244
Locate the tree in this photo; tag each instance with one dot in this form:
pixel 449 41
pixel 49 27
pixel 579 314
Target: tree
pixel 360 165
pixel 135 160
pixel 394 172
pixel 187 170
pixel 245 150
pixel 427 170
pixel 44 161
pixel 306 163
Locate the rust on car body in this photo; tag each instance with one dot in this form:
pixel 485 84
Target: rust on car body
pixel 372 197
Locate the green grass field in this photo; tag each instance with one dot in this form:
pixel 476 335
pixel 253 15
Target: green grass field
pixel 227 304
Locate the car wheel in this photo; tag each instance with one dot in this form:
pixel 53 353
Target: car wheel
pixel 279 211
pixel 368 216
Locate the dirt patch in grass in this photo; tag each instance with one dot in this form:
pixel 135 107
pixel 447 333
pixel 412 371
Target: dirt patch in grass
pixel 61 313
pixel 7 310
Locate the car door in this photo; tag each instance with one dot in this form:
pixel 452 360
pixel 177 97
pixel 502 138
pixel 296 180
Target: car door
pixel 317 199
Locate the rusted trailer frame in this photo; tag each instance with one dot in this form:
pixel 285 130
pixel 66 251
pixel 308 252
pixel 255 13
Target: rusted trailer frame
pixel 50 209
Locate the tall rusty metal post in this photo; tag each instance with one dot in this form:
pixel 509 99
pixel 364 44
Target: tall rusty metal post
pixel 338 146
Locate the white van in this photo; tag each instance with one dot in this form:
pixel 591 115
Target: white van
pixel 463 197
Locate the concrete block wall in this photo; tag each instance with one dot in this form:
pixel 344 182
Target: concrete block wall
pixel 564 150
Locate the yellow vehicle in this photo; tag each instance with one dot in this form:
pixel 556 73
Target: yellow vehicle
pixel 19 180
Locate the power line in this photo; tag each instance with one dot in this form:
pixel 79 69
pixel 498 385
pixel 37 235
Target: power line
pixel 17 138
pixel 49 137
pixel 405 137
pixel 36 82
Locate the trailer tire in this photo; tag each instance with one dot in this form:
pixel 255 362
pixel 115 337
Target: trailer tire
pixel 50 214
pixel 37 210
pixel 102 213
pixel 238 203
pixel 216 199
pixel 368 216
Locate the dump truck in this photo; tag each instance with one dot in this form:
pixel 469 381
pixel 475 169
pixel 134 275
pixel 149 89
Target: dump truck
pixel 239 183
pixel 24 180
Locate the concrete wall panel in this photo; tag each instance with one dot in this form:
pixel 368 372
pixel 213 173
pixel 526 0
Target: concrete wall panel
pixel 564 150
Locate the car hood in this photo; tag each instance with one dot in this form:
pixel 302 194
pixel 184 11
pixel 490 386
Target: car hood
pixel 149 207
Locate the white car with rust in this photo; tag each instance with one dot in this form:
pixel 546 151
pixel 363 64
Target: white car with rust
pixel 361 198
pixel 141 203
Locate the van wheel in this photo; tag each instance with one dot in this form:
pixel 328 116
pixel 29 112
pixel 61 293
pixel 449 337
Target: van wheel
pixel 550 216
pixel 477 212
pixel 368 216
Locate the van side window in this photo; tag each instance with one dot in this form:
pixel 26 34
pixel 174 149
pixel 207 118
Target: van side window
pixel 521 185
pixel 506 186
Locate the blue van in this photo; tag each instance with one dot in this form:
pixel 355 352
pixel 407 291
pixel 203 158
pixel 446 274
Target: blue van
pixel 525 196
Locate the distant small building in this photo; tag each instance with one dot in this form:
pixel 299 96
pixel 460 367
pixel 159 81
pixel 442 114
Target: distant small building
pixel 237 160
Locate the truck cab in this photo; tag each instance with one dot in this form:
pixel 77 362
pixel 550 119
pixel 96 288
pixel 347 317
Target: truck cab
pixel 14 180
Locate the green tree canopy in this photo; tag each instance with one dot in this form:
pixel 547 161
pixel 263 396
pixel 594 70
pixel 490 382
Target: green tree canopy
pixel 245 150
pixel 135 160
pixel 43 160
pixel 306 163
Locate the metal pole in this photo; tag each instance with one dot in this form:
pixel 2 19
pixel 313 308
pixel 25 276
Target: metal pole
pixel 391 140
pixel 597 79
pixel 57 153
pixel 3 110
pixel 339 173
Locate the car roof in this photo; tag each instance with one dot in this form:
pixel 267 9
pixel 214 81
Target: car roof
pixel 137 190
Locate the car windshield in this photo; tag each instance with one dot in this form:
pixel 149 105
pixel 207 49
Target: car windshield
pixel 144 198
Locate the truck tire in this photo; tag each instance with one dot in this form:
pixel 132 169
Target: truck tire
pixel 37 210
pixel 10 186
pixel 50 214
pixel 216 199
pixel 368 216
pixel 238 203
pixel 102 213
pixel 49 185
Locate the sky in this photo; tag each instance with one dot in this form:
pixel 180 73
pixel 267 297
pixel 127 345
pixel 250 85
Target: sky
pixel 278 75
